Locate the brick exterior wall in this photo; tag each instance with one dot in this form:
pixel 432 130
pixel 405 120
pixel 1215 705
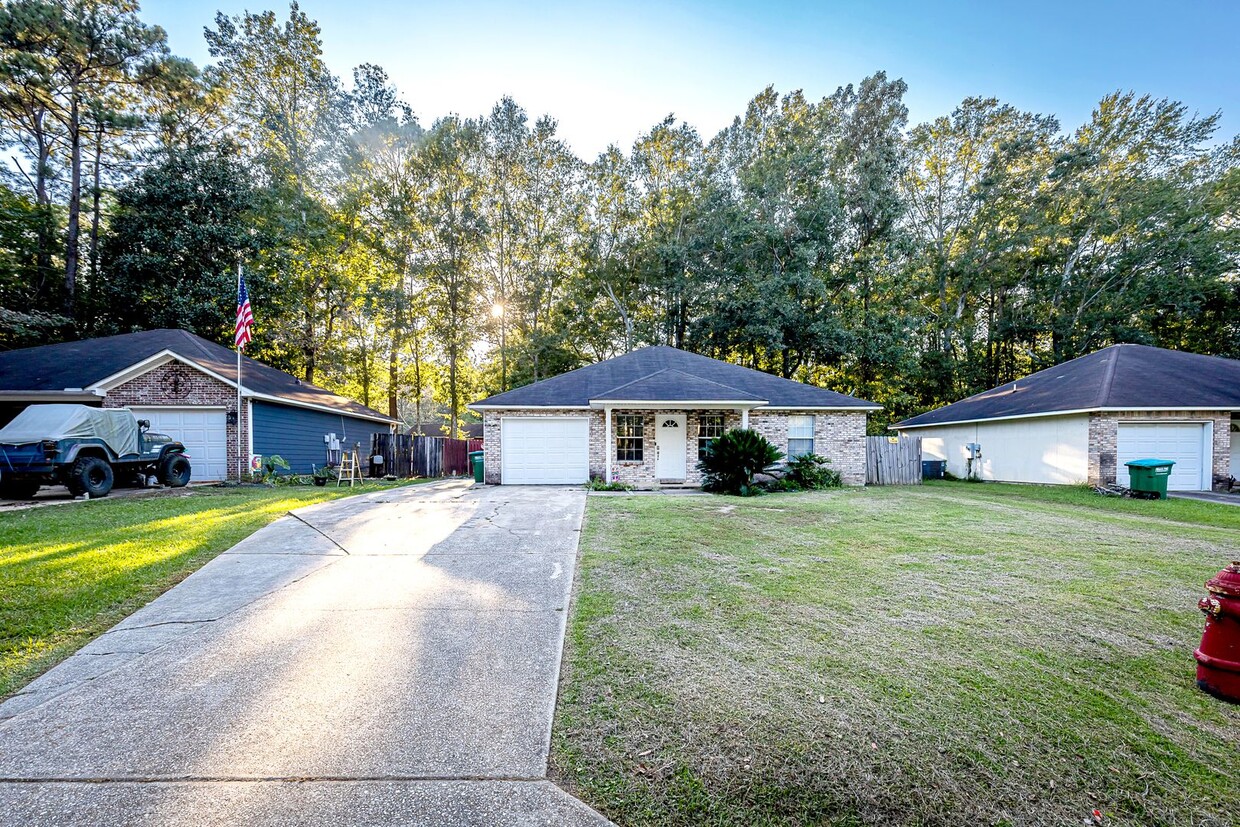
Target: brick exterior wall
pixel 492 447
pixel 838 435
pixel 175 384
pixel 643 474
pixel 1104 439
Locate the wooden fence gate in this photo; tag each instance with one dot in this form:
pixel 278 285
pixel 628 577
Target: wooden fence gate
pixel 438 456
pixel 892 460
pixel 397 453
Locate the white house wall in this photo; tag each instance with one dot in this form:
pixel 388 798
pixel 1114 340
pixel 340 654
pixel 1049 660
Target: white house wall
pixel 1051 449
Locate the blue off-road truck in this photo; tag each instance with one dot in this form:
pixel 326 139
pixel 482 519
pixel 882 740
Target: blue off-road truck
pixel 85 449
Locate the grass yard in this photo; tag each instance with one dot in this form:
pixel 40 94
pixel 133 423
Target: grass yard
pixel 69 572
pixel 943 655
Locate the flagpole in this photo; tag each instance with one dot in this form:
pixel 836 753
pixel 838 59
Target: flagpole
pixel 241 458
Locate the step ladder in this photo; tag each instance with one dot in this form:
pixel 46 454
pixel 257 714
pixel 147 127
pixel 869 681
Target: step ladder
pixel 350 470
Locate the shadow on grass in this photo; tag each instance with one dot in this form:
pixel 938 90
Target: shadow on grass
pixel 68 574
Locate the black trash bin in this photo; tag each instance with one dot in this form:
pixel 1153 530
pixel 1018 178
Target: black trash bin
pixel 933 469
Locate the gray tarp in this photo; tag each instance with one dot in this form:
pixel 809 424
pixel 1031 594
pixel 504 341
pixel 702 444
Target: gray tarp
pixel 117 428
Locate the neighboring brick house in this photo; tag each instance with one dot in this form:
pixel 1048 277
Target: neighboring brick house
pixel 644 417
pixel 1080 421
pixel 186 386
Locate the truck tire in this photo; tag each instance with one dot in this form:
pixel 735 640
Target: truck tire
pixel 174 471
pixel 89 475
pixel 18 489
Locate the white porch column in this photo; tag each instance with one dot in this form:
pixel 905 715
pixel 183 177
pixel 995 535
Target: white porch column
pixel 744 418
pixel 607 441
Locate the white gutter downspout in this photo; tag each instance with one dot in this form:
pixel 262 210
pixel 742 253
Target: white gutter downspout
pixel 607 442
pixel 744 418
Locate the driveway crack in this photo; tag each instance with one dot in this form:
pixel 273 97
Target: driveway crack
pixel 303 521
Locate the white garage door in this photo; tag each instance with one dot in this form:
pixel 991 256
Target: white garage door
pixel 545 450
pixel 202 431
pixel 1183 442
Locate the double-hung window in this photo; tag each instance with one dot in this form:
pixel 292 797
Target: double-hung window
pixel 629 441
pixel 710 426
pixel 800 436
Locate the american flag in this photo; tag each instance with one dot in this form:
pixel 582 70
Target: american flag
pixel 245 316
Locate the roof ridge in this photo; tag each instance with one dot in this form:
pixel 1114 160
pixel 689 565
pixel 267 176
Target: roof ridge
pixel 1108 378
pixel 642 378
pixel 681 372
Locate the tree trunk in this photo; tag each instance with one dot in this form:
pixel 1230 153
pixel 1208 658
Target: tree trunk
pixel 43 256
pixel 96 195
pixel 308 349
pixel 393 376
pixel 417 383
pixel 75 202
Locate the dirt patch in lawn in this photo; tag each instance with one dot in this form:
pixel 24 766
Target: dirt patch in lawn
pixel 881 656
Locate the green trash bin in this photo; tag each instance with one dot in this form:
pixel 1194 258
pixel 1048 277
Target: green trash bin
pixel 475 462
pixel 1149 477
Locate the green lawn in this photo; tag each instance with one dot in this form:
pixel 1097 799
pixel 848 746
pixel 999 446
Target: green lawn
pixel 69 572
pixel 951 654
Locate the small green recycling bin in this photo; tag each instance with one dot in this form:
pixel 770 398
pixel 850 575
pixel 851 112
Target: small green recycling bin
pixel 1149 477
pixel 475 462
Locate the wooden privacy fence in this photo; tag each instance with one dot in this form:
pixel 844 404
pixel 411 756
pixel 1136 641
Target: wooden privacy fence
pixel 424 456
pixel 892 461
pixel 397 453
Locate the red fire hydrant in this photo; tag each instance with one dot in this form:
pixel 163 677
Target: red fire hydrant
pixel 1218 657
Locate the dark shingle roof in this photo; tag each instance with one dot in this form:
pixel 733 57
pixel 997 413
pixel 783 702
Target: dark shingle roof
pixel 667 374
pixel 84 363
pixel 670 385
pixel 1120 376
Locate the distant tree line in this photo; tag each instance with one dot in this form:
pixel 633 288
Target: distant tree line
pixel 827 241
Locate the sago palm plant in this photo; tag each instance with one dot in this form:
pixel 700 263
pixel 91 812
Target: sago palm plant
pixel 731 460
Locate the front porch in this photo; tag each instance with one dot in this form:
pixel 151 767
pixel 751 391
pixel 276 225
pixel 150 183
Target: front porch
pixel 660 447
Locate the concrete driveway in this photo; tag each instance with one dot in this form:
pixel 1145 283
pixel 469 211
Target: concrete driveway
pixel 391 658
pixel 1221 497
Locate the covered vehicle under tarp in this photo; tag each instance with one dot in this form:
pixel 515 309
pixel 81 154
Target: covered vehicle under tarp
pixel 117 428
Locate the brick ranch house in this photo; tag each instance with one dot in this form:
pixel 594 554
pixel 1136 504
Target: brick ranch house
pixel 186 386
pixel 644 417
pixel 1082 420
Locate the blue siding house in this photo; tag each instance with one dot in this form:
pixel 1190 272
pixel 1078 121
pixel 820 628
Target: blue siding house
pixel 187 387
pixel 297 434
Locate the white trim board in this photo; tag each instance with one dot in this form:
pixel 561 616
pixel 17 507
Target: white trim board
pixel 296 403
pixel 598 405
pixel 476 407
pixel 165 356
pixel 654 405
pixel 149 364
pixel 1073 412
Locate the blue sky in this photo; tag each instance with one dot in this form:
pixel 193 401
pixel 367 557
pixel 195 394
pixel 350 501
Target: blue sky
pixel 609 71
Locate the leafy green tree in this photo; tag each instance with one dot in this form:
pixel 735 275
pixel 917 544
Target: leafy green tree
pixel 666 163
pixel 73 57
pixel 769 229
pixel 176 237
pixel 292 115
pixel 450 246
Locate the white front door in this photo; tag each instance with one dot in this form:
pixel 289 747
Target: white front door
pixel 1186 443
pixel 669 442
pixel 203 432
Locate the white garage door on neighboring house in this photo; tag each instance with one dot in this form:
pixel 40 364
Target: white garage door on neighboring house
pixel 545 450
pixel 1187 443
pixel 204 433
